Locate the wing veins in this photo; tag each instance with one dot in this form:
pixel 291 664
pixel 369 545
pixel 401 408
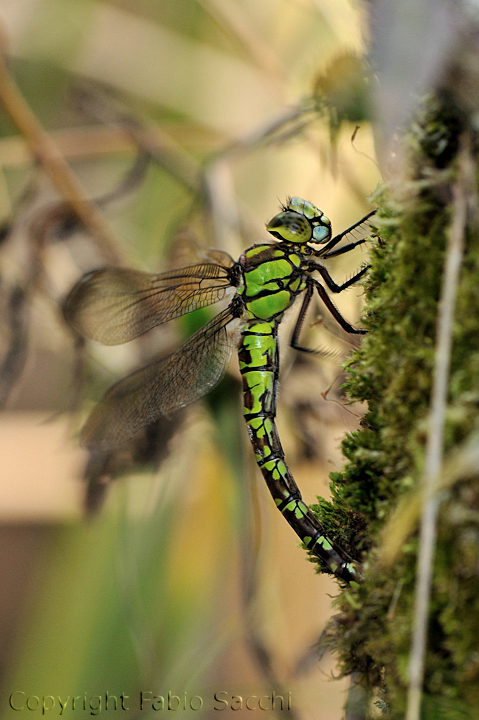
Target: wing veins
pixel 115 305
pixel 162 386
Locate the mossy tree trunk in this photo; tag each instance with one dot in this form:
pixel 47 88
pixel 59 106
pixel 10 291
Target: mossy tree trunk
pixel 393 372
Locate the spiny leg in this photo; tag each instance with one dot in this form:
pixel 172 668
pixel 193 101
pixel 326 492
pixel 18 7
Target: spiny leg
pixel 324 252
pixel 299 323
pixel 345 249
pixel 334 287
pixel 335 312
pixel 332 309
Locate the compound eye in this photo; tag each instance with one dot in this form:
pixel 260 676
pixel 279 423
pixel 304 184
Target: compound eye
pixel 297 205
pixel 322 233
pixel 303 207
pixel 290 226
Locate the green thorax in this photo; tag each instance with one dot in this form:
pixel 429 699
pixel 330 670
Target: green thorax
pixel 272 279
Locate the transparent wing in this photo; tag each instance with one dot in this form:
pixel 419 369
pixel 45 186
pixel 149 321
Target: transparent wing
pixel 114 305
pixel 161 387
pixel 220 257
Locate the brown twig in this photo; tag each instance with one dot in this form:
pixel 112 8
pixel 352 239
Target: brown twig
pixel 154 141
pixel 14 360
pixel 52 161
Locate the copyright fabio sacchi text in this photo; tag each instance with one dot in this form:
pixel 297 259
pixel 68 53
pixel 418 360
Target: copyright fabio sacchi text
pixel 21 701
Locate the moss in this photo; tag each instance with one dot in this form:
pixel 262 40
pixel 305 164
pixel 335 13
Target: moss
pixel 393 373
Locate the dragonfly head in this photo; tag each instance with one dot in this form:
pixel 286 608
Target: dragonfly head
pixel 300 222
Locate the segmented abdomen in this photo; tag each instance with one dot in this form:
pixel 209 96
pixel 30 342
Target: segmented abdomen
pixel 259 364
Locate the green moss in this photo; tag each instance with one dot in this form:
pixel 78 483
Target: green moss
pixel 393 373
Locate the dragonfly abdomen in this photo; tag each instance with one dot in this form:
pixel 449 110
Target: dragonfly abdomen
pixel 259 363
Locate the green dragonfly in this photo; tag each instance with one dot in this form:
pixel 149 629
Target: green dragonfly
pixel 115 305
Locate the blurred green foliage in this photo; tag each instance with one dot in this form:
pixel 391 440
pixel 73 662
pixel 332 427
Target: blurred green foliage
pixel 167 588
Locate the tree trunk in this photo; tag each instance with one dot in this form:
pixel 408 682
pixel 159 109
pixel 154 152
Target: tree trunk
pixel 389 458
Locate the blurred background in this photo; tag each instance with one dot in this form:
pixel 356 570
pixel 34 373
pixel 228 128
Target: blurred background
pixel 137 132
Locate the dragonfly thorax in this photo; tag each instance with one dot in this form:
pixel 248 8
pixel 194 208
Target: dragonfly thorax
pixel 272 279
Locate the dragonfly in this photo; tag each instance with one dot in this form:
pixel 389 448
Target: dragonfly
pixel 113 305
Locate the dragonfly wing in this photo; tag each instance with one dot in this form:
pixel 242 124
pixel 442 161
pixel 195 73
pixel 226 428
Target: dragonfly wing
pixel 212 255
pixel 161 387
pixel 114 305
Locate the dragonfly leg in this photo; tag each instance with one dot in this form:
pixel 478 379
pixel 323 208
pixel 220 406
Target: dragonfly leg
pixel 345 249
pixel 335 312
pixel 331 307
pixel 334 287
pixel 324 252
pixel 299 323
